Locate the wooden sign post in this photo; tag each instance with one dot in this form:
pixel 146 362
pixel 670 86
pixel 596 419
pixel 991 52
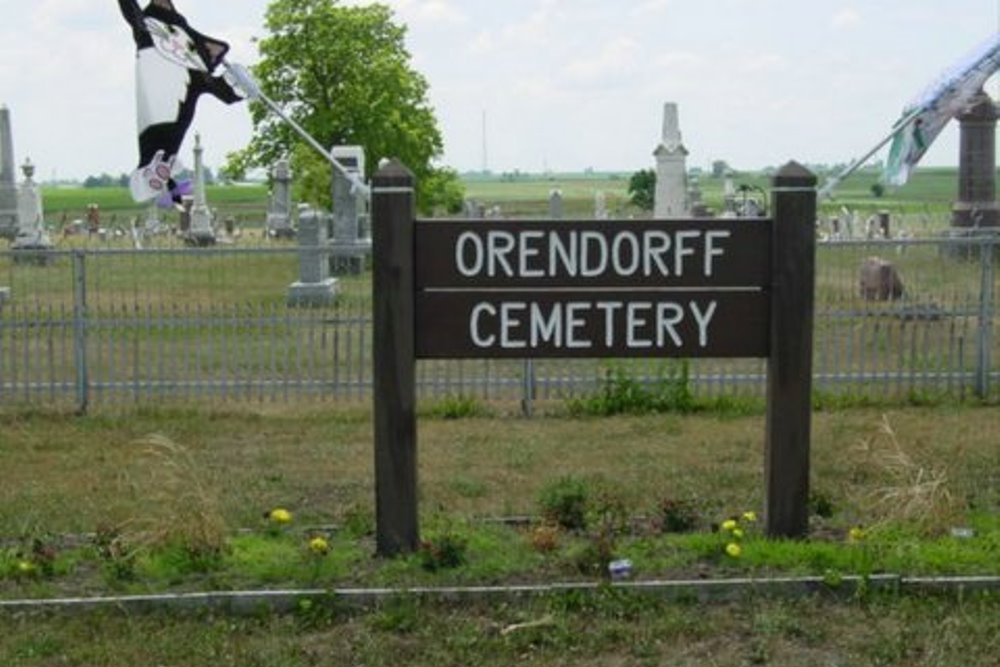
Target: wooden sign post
pixel 576 289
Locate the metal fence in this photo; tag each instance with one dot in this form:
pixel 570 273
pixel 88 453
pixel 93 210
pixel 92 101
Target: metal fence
pixel 97 328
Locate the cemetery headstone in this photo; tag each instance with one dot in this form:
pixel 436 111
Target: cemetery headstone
pixel 31 233
pixel 670 199
pixel 8 178
pixel 728 196
pixel 184 215
pixel 977 204
pixel 351 241
pixel 879 280
pixel 279 213
pixel 556 205
pixel 600 206
pixel 315 287
pixel 202 230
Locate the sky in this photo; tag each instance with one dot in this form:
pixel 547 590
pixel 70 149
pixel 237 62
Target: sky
pixel 560 85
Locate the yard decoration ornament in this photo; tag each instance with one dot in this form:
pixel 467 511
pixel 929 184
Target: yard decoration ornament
pixel 175 65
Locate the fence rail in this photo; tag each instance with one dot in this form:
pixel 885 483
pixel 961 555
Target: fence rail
pixel 97 328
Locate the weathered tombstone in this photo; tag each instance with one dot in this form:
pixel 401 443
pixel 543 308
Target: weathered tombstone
pixel 31 234
pixel 556 205
pixel 475 210
pixel 670 200
pixel 152 225
pixel 728 196
pixel 315 287
pixel 184 215
pixel 977 204
pixel 93 219
pixel 349 244
pixel 8 178
pixel 600 206
pixel 279 213
pixel 879 280
pixel 884 224
pixel 835 228
pixel 202 230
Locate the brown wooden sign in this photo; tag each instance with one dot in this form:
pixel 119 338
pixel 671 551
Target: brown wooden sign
pixel 666 288
pixel 721 288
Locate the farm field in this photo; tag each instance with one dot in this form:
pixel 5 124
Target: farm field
pixel 928 194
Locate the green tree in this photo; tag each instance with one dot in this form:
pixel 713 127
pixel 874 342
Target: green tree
pixel 344 74
pixel 642 189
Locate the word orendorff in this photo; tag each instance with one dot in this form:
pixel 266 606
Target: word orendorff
pixel 577 324
pixel 588 254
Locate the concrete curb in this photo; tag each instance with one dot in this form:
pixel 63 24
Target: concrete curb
pixel 243 603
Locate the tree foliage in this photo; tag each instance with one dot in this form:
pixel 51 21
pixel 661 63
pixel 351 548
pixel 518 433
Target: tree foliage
pixel 642 189
pixel 343 73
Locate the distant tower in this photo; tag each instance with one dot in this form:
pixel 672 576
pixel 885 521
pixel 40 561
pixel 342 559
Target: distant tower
pixel 486 161
pixel 8 178
pixel 977 192
pixel 671 168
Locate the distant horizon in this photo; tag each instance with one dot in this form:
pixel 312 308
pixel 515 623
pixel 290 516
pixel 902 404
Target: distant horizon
pixel 582 173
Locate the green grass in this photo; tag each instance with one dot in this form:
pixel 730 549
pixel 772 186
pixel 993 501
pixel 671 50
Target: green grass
pixel 607 629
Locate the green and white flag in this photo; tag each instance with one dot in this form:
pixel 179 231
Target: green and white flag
pixel 925 117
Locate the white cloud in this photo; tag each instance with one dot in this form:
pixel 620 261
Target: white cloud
pixel 482 43
pixel 761 63
pixel 650 7
pixel 846 18
pixel 613 62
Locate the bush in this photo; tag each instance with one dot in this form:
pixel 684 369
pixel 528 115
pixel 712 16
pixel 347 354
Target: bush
pixel 623 394
pixel 564 503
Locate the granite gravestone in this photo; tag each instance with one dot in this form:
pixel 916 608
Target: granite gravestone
pixel 202 230
pixel 670 200
pixel 279 212
pixel 31 234
pixel 315 287
pixel 8 178
pixel 351 238
pixel 977 204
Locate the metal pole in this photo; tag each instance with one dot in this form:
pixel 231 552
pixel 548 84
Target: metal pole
pixel 987 247
pixel 253 91
pixel 827 190
pixel 80 332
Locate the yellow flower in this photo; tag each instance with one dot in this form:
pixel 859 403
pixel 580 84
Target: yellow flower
pixel 738 533
pixel 26 567
pixel 750 517
pixel 280 515
pixel 729 524
pixel 855 534
pixel 319 546
pixel 734 550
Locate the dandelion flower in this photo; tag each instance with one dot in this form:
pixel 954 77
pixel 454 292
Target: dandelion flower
pixel 750 517
pixel 280 515
pixel 729 524
pixel 855 534
pixel 734 550
pixel 738 533
pixel 319 546
pixel 26 567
